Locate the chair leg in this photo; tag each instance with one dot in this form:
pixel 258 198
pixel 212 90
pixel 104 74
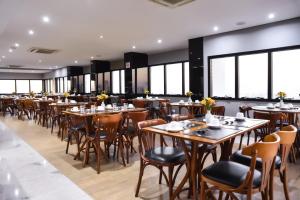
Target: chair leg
pixel 142 167
pixel 68 143
pixel 202 193
pixel 214 155
pixel 98 156
pixel 285 185
pixel 160 175
pixel 220 195
pixel 171 169
pixel 87 149
pixel 241 141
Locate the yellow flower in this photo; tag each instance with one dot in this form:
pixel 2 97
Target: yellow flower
pixel 281 94
pixel 189 93
pixel 208 102
pixel 66 94
pixel 146 91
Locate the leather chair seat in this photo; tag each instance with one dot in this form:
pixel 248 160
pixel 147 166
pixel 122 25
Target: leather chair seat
pixel 103 135
pixel 246 160
pixel 131 130
pixel 230 173
pixel 165 155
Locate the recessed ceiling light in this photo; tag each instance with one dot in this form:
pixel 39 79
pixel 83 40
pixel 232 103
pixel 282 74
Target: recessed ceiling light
pixel 30 32
pixel 17 44
pixel 10 50
pixel 3 57
pixel 216 28
pixel 76 61
pixel 46 19
pixel 271 15
pixel 56 67
pixel 101 36
pixel 40 61
pixel 92 57
pixel 134 47
pixel 159 41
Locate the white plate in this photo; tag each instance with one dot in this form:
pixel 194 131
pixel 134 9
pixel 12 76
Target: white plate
pixel 270 107
pixel 75 110
pixel 174 129
pixel 214 126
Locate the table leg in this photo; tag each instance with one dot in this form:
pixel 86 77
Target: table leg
pixel 226 149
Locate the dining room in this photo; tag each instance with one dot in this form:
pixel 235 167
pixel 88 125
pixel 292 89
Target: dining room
pixel 180 99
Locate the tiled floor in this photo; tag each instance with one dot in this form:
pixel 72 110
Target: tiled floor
pixel 114 182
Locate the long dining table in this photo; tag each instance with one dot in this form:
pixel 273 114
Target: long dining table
pixel 199 133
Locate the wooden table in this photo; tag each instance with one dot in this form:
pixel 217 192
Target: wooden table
pixel 224 137
pixel 192 108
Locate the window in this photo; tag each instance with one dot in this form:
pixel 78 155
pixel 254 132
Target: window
pixel 87 83
pixel 65 84
pixel 253 75
pixel 7 86
pixel 174 78
pixel 286 70
pixel 22 86
pixel 36 86
pixel 157 79
pixel 122 81
pixel 141 79
pixel 100 82
pixel 223 77
pixel 133 80
pixel 61 85
pixel 80 81
pixel 116 82
pixel 186 77
pixel 107 81
pixel 52 83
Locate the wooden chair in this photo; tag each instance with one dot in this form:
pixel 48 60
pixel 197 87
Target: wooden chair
pixel 133 118
pixel 218 110
pixel 231 177
pixel 106 131
pixel 139 103
pixel 287 137
pixel 246 111
pixel 158 156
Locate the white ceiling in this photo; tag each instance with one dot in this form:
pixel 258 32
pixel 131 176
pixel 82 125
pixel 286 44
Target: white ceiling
pixel 76 25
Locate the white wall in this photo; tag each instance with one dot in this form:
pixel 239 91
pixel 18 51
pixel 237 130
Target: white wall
pixel 280 34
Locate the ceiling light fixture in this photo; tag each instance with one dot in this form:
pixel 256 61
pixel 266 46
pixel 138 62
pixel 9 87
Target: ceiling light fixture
pixel 40 61
pixel 92 57
pixel 3 57
pixel 46 19
pixel 101 36
pixel 17 44
pixel 271 15
pixel 134 47
pixel 159 41
pixel 76 61
pixel 216 28
pixel 30 32
pixel 10 50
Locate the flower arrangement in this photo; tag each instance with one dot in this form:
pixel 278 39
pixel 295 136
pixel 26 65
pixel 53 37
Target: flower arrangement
pixel 45 94
pixel 103 96
pixel 208 103
pixel 189 94
pixel 281 95
pixel 146 91
pixel 31 94
pixel 66 94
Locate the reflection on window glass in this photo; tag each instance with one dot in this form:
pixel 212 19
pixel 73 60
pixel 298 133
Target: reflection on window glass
pixel 87 83
pixel 22 86
pixel 7 86
pixel 116 82
pixel 223 77
pixel 157 79
pixel 74 83
pixel 186 77
pixel 80 81
pixel 142 79
pixel 52 83
pixel 286 70
pixel 36 86
pixel 174 78
pixel 107 82
pixel 65 84
pixel 61 85
pixel 253 76
pixel 48 87
pixel 100 82
pixel 123 81
pixel 133 80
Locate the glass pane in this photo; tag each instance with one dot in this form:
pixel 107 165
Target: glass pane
pixel 36 86
pixel 286 70
pixel 223 77
pixel 65 84
pixel 116 82
pixel 61 85
pixel 157 79
pixel 174 78
pixel 100 82
pixel 186 77
pixel 80 81
pixel 123 81
pixel 142 79
pixel 107 82
pixel 22 86
pixel 52 82
pixel 48 86
pixel 133 81
pixel 7 86
pixel 253 76
pixel 87 83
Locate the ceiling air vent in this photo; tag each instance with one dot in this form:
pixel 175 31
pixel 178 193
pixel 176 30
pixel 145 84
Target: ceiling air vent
pixel 42 50
pixel 172 3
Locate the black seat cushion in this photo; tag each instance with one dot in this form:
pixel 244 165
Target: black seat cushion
pixel 131 130
pixel 103 135
pixel 246 160
pixel 230 173
pixel 166 155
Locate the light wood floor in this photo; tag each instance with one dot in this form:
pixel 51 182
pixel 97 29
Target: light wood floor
pixel 115 181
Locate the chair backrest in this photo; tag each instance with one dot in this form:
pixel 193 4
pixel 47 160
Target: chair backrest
pixel 218 110
pixel 245 110
pixel 108 124
pixel 139 103
pixel 164 109
pixel 266 150
pixel 137 117
pixel 273 117
pixel 146 138
pixel 287 138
